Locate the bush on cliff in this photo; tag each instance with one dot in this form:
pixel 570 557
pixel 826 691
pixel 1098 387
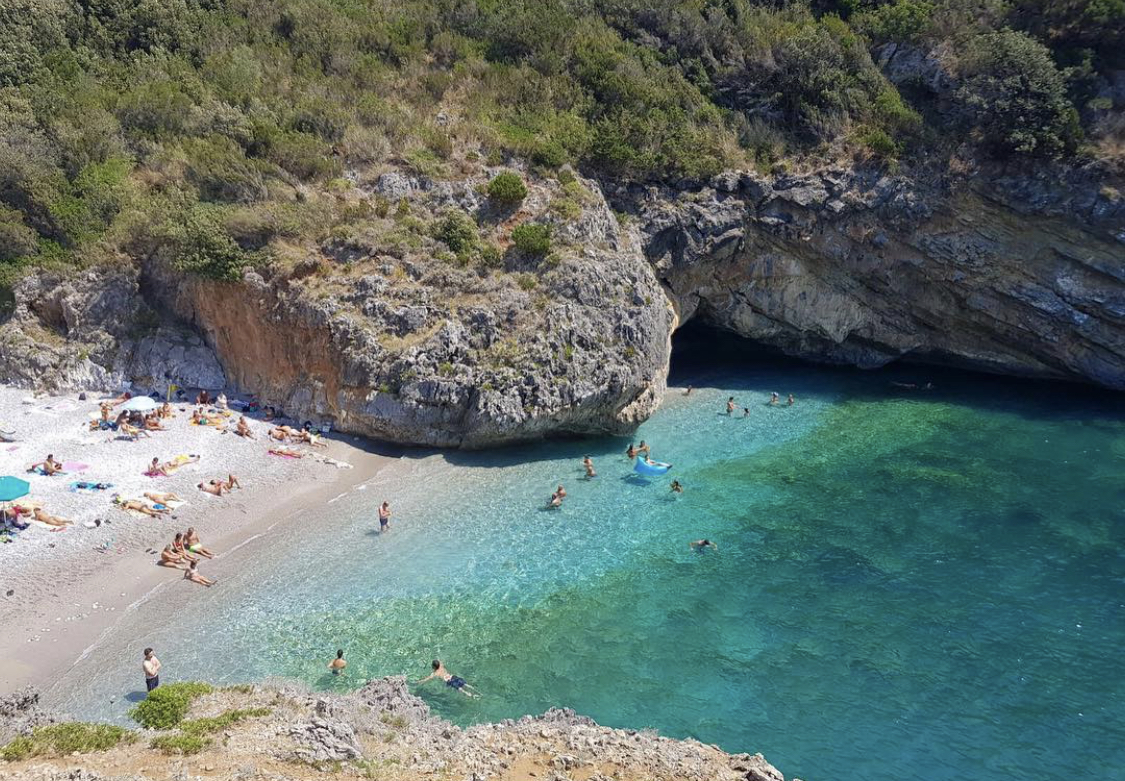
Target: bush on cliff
pixel 166 706
pixel 1015 97
pixel 61 740
pixel 507 189
pixel 532 239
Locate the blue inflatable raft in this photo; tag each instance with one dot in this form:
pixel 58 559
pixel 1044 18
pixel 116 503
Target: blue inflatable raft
pixel 640 466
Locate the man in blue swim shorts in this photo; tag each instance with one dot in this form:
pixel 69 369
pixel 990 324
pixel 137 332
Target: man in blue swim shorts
pixel 452 681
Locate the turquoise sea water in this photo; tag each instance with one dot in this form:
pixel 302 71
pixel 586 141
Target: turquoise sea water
pixel 910 585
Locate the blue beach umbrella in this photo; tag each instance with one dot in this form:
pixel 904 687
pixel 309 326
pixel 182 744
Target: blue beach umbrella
pixel 13 488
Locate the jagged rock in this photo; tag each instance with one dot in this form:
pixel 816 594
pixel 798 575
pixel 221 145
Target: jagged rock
pixel 20 713
pixel 325 741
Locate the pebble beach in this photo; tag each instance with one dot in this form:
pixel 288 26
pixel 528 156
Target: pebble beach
pixel 62 589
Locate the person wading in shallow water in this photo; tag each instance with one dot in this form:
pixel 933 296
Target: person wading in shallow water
pixel 384 516
pixel 151 667
pixel 338 664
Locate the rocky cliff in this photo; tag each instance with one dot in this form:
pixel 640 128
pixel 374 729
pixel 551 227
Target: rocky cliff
pixel 1005 274
pixel 387 335
pixel 284 733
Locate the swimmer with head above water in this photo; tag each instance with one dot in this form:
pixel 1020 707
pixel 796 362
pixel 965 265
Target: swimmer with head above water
pixel 644 448
pixel 791 400
pixel 338 664
pixel 452 681
pixel 676 487
pixel 774 398
pixel 557 497
pixel 588 465
pixel 699 546
pixel 632 451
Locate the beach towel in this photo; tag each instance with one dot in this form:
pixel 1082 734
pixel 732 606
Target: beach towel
pixel 89 487
pixel 40 471
pixel 74 466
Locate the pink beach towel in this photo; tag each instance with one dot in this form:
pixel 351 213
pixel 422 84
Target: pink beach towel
pixel 74 466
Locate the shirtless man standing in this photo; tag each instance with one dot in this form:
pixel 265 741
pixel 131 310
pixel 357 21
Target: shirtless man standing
pixel 338 664
pixel 384 516
pixel 151 667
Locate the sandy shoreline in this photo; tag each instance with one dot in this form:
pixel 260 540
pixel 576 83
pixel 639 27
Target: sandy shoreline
pixel 60 594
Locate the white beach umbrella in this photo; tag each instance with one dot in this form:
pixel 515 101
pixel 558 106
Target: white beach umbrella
pixel 139 404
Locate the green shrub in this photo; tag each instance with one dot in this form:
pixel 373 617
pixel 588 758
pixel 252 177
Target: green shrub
pixel 458 231
pixel 527 281
pixel 902 20
pixel 532 238
pixel 180 744
pixel 491 256
pixel 166 706
pixel 1015 98
pixel 60 740
pixel 507 189
pixel 202 246
pixel 878 143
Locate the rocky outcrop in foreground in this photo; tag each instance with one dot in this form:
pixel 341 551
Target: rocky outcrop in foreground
pixel 385 333
pixel 383 731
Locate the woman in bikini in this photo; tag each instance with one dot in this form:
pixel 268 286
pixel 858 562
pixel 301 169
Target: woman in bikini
pixel 243 428
pixel 138 506
pixel 169 558
pixel 162 498
pixel 194 576
pixel 51 520
pixel 213 488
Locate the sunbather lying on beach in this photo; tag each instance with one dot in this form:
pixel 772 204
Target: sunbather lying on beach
pixel 152 423
pixel 136 505
pixel 281 433
pixel 162 497
pixel 168 467
pixel 169 558
pixel 243 429
pixel 287 451
pixel 48 466
pixel 213 488
pixel 306 436
pixel 50 520
pixel 132 431
pixel 194 576
pixel 191 540
pixel 124 397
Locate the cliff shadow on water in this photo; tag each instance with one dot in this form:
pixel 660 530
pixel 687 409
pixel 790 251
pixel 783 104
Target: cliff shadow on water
pixel 703 354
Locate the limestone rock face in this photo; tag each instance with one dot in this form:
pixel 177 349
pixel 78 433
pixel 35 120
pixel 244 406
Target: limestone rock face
pixel 94 331
pixel 1014 275
pixel 433 354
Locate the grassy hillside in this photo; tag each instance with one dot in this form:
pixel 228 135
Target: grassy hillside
pixel 219 130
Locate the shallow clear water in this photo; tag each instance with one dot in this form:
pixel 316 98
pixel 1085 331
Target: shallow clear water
pixel 912 585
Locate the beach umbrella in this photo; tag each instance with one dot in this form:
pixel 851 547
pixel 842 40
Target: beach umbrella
pixel 139 404
pixel 13 488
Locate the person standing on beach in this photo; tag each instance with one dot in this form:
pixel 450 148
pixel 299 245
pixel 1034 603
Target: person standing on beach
pixel 151 667
pixel 384 517
pixel 338 664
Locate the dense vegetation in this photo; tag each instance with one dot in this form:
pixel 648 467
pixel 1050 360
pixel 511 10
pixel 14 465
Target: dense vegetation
pixel 165 707
pixel 209 130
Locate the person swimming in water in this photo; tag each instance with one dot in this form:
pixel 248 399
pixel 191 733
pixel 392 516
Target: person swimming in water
pixel 774 398
pixel 676 487
pixel 745 412
pixel 688 391
pixel 338 664
pixel 632 451
pixel 589 467
pixel 644 448
pixel 454 682
pixel 557 497
pixel 730 406
pixel 791 400
pixel 699 546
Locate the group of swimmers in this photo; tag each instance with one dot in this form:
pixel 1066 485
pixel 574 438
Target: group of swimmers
pixel 455 682
pixel 775 399
pixel 184 553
